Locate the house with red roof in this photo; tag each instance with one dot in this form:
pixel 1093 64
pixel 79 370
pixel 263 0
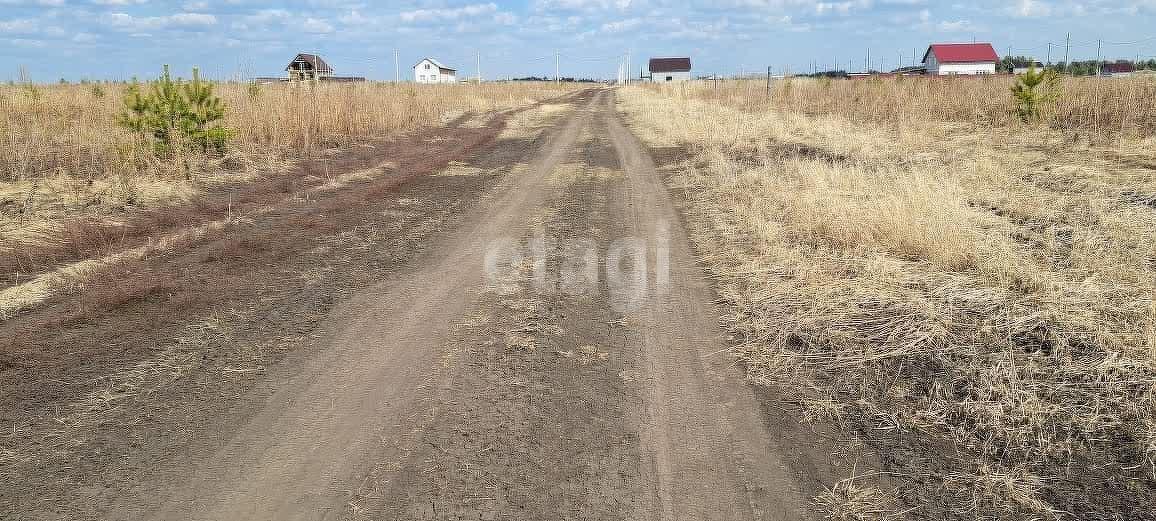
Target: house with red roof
pixel 945 59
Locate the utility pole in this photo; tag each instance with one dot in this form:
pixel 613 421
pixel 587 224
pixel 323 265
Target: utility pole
pixel 628 69
pixel 1098 43
pixel 768 83
pixel 867 63
pixel 1049 54
pixel 396 68
pixel 557 67
pixel 479 67
pixel 1067 48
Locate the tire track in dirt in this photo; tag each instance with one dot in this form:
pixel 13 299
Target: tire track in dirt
pixel 535 417
pixel 710 454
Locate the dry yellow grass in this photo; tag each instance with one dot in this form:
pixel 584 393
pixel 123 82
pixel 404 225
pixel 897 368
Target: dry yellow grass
pixel 1092 106
pixel 979 295
pixel 61 149
pixel 71 129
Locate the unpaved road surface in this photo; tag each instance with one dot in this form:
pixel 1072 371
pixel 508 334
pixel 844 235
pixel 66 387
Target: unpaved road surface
pixel 543 347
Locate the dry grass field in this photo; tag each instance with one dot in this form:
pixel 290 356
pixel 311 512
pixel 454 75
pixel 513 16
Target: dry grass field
pixel 71 177
pixel 970 298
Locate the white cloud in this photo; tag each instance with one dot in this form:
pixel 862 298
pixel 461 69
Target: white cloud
pixel 119 2
pixel 955 26
pixel 584 5
pixel 503 18
pixel 621 25
pixel 17 26
pixel 1032 8
pixel 448 13
pixel 127 22
pixel 316 25
pixel 841 8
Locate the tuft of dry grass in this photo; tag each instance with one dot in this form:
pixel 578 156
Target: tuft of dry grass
pixel 983 298
pixel 851 501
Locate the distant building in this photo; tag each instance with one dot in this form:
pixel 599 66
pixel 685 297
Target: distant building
pixel 1020 69
pixel 943 59
pixel 1117 70
pixel 430 70
pixel 666 70
pixel 308 67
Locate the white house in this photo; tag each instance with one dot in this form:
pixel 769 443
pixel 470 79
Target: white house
pixel 666 70
pixel 945 59
pixel 430 70
pixel 1021 69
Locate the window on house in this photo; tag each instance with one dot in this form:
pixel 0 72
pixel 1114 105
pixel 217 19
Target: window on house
pixel 670 78
pixel 427 66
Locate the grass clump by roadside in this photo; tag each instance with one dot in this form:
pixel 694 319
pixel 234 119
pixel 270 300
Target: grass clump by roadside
pixel 977 305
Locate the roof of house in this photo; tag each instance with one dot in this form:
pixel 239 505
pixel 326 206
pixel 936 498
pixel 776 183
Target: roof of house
pixel 315 63
pixel 439 65
pixel 962 53
pixel 670 65
pixel 1117 68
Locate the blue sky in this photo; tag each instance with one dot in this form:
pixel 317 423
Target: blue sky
pixel 115 39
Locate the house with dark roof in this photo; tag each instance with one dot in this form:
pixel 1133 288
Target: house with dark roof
pixel 308 67
pixel 1120 69
pixel 945 59
pixel 666 70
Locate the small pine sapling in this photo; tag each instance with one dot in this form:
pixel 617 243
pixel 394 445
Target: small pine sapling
pixel 1033 90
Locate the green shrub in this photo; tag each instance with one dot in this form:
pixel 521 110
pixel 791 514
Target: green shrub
pixel 176 115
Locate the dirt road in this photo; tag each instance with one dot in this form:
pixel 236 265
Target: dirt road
pixel 551 352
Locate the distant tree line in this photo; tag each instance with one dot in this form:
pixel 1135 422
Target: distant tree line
pixel 1076 68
